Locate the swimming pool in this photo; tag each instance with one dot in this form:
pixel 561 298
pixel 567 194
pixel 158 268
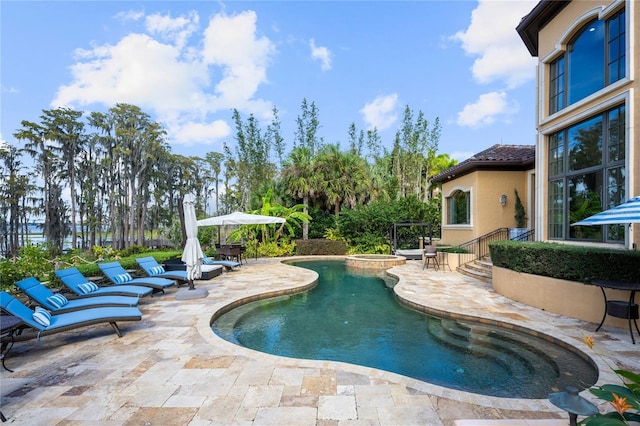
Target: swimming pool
pixel 355 318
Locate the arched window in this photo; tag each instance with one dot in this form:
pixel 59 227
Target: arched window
pixel 595 58
pixel 459 208
pixel 585 62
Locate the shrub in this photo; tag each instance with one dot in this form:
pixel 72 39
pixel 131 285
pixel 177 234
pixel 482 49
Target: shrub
pixel 320 246
pixel 567 262
pixel 132 250
pixel 32 261
pixel 275 250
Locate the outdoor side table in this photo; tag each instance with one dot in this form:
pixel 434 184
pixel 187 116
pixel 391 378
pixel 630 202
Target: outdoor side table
pixel 443 260
pixel 8 326
pixel 620 308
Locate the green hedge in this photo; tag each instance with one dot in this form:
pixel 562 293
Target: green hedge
pixel 320 247
pixel 568 262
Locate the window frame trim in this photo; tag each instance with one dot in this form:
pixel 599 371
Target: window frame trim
pixel 445 210
pixel 560 49
pixel 621 100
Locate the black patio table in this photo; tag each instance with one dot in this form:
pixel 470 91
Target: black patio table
pixel 8 326
pixel 620 308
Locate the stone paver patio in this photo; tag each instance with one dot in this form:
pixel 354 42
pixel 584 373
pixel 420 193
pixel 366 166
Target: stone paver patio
pixel 171 369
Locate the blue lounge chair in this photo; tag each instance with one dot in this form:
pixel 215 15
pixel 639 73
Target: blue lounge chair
pixel 41 323
pixel 118 276
pixel 229 264
pixel 74 280
pixel 209 266
pixel 57 303
pixel 153 269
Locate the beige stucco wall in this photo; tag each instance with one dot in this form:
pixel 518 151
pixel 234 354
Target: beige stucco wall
pixel 552 41
pixel 487 214
pixel 568 298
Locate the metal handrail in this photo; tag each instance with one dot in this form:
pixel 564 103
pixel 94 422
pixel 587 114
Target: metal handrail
pixel 479 247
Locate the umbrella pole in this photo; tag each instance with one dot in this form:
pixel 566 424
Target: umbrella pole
pixel 191 285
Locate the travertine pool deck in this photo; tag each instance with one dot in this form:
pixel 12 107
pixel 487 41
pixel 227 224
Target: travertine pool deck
pixel 171 369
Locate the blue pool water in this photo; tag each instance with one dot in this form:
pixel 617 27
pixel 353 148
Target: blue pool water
pixel 355 318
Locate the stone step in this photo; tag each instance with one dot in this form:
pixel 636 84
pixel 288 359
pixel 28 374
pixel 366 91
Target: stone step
pixel 484 262
pixel 483 276
pixel 502 347
pixel 477 266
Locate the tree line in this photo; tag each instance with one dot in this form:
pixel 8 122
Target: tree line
pixel 111 177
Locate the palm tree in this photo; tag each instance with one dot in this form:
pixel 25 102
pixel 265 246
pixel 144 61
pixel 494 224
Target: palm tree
pixel 299 179
pixel 343 177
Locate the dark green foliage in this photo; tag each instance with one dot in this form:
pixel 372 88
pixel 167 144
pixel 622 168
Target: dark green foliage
pixel 132 250
pixel 567 262
pixel 322 220
pixel 520 216
pixel 366 228
pixel 320 247
pixel 452 250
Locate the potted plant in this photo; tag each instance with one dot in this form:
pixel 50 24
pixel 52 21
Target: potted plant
pixel 520 217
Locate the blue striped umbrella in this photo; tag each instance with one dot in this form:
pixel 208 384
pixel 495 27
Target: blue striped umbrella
pixel 628 212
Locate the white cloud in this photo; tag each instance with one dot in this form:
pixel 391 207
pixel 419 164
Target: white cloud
pixel 491 36
pixel 182 82
pixel 129 15
pixel 322 54
pixel 176 30
pixel 192 133
pixel 486 110
pixel 381 112
pixel 230 42
pixel 4 145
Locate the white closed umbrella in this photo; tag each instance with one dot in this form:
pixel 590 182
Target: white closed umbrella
pixel 192 255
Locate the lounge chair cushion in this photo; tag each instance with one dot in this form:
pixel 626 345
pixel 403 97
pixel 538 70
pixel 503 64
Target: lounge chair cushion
pixel 88 287
pixel 57 300
pixel 72 278
pixel 207 261
pixel 122 278
pixel 42 316
pixel 155 270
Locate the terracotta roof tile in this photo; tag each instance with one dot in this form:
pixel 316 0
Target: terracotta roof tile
pixel 498 157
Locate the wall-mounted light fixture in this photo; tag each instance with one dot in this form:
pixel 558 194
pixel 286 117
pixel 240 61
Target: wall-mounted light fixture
pixel 503 200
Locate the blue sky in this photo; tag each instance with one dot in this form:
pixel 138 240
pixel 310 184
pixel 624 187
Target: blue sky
pixel 190 63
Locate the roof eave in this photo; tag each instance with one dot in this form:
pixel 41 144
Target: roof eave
pixel 540 15
pixel 483 165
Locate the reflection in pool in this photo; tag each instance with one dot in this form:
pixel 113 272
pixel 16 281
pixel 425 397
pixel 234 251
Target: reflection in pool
pixel 355 318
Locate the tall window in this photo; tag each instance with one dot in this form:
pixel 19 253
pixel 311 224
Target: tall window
pixel 595 57
pixel 586 176
pixel 585 62
pixel 616 47
pixel 556 90
pixel 459 208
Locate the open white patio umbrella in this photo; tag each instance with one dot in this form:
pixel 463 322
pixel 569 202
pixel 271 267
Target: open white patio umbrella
pixel 192 255
pixel 239 218
pixel 628 212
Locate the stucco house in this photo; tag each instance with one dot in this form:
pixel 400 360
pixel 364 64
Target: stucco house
pixel 588 110
pixel 478 194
